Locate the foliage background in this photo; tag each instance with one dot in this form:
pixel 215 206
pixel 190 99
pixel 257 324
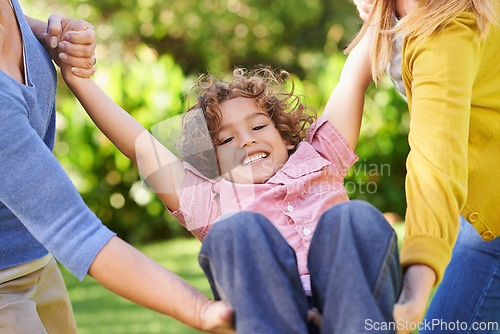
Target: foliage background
pixel 151 51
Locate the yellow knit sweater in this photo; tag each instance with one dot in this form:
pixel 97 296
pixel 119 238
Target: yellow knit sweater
pixel 452 82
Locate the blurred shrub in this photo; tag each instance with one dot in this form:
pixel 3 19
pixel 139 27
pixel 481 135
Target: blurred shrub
pixel 216 34
pixel 150 52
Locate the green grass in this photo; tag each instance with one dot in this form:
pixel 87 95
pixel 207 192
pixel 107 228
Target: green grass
pixel 97 310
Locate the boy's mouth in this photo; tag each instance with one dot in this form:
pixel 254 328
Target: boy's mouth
pixel 255 157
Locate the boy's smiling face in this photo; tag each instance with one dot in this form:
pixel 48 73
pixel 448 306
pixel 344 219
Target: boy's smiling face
pixel 250 149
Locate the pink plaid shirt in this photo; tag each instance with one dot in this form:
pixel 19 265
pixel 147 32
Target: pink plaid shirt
pixel 310 182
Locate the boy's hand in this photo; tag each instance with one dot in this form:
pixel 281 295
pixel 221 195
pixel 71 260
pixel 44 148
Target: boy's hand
pixel 217 318
pixel 71 43
pixel 364 8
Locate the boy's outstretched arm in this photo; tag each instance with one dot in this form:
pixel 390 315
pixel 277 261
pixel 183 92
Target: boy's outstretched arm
pixel 130 137
pixel 345 106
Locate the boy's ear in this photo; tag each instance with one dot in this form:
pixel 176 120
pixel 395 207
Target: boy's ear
pixel 288 145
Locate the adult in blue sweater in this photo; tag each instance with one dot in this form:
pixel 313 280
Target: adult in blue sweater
pixel 42 215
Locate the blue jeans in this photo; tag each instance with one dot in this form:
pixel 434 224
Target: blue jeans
pixel 353 263
pixel 469 294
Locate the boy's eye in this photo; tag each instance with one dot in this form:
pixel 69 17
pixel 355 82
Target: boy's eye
pixel 225 141
pixel 259 127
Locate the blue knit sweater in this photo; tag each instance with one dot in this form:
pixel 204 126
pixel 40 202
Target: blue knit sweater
pixel 40 209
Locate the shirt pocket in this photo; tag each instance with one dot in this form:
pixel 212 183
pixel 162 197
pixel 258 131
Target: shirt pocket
pixel 313 177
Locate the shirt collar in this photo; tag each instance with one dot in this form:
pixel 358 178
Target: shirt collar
pixel 304 160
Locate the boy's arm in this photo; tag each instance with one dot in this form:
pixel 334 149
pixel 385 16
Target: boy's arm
pixel 345 106
pixel 130 137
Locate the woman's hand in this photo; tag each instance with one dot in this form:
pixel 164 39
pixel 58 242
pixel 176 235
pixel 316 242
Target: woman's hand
pixel 71 43
pixel 217 318
pixel 412 304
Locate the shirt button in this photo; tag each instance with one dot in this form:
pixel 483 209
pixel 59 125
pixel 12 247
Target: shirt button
pixel 487 236
pixel 290 207
pixel 306 231
pixel 473 217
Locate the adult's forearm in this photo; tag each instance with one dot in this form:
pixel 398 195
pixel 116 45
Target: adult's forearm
pixel 411 306
pixel 129 273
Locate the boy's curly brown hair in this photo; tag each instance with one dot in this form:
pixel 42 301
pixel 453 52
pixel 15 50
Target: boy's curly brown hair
pixel 266 87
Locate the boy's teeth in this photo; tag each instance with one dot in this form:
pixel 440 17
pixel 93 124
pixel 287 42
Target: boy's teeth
pixel 254 158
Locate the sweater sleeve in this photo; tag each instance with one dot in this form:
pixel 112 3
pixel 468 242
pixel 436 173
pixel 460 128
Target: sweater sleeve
pixel 37 190
pixel 439 74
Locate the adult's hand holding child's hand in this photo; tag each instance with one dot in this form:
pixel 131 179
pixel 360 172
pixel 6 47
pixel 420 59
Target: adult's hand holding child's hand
pixel 71 43
pixel 411 306
pixel 217 318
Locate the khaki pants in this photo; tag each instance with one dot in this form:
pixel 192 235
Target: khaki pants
pixel 35 301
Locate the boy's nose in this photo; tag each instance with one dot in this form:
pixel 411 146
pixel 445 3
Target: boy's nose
pixel 247 140
pixel 249 143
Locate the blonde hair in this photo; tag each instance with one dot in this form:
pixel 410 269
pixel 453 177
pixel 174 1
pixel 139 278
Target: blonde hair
pixel 426 18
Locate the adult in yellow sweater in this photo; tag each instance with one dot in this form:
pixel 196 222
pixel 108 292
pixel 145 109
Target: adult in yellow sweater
pixel 451 71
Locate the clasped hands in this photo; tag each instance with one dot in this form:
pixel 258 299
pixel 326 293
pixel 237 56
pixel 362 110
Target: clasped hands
pixel 71 44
